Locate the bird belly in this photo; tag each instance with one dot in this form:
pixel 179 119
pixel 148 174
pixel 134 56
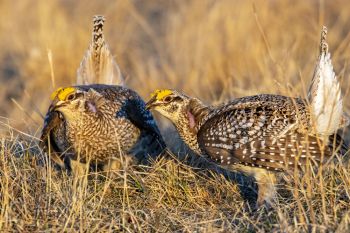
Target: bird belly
pixel 100 142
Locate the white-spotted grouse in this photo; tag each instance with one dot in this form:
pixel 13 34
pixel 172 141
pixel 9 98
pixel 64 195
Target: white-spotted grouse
pixel 257 135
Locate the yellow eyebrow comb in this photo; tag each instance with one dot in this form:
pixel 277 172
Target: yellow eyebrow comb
pixel 160 94
pixel 62 93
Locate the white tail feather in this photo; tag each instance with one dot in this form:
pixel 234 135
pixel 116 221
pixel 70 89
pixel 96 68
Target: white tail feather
pixel 98 64
pixel 325 94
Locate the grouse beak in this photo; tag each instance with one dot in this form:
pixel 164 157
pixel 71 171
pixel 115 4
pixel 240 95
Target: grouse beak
pixel 56 104
pixel 152 103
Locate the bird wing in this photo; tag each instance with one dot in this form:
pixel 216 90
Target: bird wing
pixel 51 123
pixel 98 64
pixel 325 94
pixel 150 142
pixel 260 135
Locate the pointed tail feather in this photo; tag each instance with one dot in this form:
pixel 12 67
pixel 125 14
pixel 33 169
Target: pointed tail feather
pixel 325 94
pixel 98 64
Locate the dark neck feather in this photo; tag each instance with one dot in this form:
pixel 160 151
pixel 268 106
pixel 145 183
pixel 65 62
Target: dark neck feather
pixel 199 111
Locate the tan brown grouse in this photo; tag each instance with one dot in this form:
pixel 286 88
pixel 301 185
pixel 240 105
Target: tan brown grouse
pixel 98 123
pixel 256 135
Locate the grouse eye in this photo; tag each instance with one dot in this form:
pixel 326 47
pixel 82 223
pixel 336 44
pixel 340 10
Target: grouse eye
pixel 167 99
pixel 71 97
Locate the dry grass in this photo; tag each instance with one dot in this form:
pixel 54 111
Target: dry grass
pixel 214 50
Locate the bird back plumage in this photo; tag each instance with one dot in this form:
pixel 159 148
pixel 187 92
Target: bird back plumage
pixel 265 131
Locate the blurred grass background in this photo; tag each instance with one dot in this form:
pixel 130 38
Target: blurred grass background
pixel 211 49
pixel 214 50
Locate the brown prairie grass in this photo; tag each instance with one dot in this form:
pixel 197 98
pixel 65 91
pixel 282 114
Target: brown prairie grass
pixel 214 50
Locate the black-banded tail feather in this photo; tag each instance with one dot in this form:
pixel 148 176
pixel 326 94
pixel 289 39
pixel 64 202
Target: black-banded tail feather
pixel 98 65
